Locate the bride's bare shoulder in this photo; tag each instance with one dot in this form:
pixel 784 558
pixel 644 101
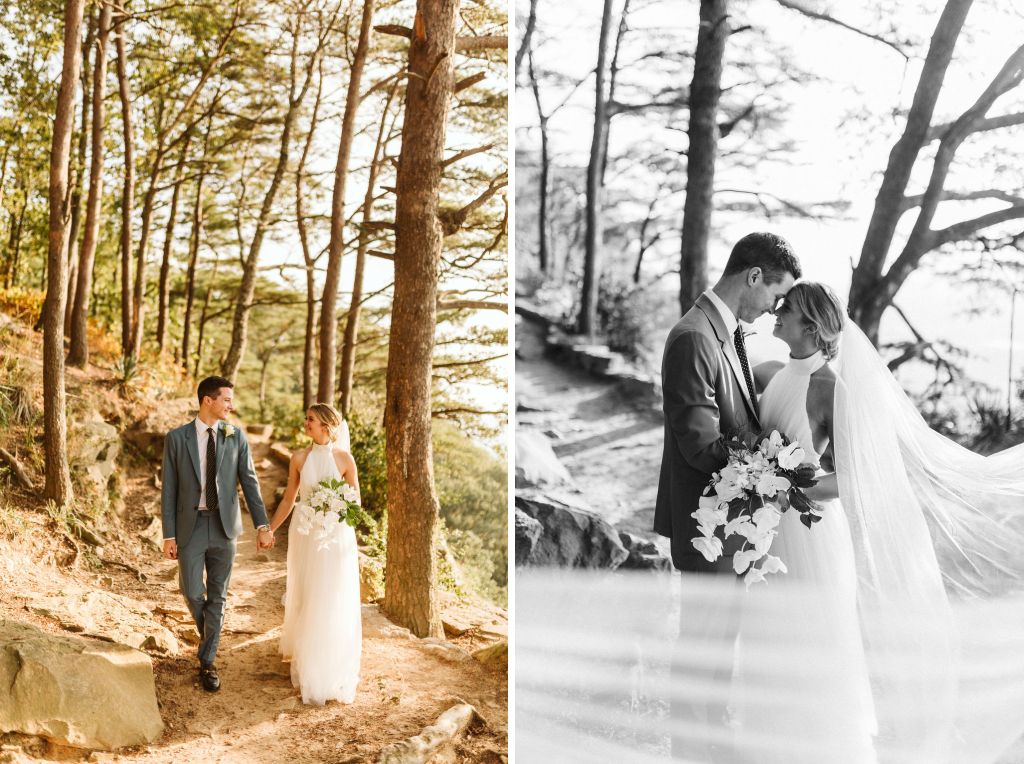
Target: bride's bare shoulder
pixel 822 390
pixel 299 457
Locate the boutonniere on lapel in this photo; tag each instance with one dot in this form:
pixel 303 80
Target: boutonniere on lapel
pixel 228 431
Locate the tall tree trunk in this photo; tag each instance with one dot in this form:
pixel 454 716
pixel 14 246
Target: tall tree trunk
pixel 348 349
pixel 58 473
pixel 411 579
pixel 193 252
pixel 15 243
pixel 76 197
pixel 202 317
pixel 705 92
pixel 545 164
pixel 128 193
pixel 587 323
pixel 524 45
pixel 78 354
pixel 328 315
pixel 867 299
pixel 246 290
pixel 309 346
pixel 165 263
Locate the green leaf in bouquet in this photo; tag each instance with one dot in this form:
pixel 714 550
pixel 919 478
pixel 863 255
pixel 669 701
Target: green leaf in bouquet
pixel 809 519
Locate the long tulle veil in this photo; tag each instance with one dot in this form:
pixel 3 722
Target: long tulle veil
pixel 938 534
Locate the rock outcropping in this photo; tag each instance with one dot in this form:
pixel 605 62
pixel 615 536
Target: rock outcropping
pixel 570 537
pixel 75 692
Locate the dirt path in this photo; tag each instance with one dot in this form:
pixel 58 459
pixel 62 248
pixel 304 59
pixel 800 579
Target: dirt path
pixel 610 445
pixel 258 717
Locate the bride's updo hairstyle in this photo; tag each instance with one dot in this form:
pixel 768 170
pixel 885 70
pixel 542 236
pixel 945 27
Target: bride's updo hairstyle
pixel 329 417
pixel 823 311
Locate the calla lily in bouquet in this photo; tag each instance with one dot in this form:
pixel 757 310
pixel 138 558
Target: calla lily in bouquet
pixel 747 498
pixel 333 502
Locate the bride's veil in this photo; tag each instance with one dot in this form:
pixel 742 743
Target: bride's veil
pixel 344 441
pixel 602 659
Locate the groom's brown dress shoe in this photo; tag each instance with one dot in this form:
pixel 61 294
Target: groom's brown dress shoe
pixel 211 682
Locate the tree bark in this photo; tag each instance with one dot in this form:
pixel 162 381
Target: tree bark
pixel 705 92
pixel 865 308
pixel 411 579
pixel 348 350
pixel 128 193
pixel 524 46
pixel 309 346
pixel 202 316
pixel 193 252
pixel 78 354
pixel 247 288
pixel 328 315
pixel 76 197
pixel 587 322
pixel 58 474
pixel 545 165
pixel 165 263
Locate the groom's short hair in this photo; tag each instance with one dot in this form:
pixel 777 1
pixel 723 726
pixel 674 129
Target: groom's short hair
pixel 767 251
pixel 211 386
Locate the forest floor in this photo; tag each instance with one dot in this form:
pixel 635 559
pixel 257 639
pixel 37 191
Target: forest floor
pixel 610 445
pixel 257 716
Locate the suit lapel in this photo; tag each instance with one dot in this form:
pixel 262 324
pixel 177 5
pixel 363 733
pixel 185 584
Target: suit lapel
pixel 193 449
pixel 725 341
pixel 221 441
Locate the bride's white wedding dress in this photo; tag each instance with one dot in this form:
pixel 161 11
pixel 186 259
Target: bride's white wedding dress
pixel 322 631
pixel 821 567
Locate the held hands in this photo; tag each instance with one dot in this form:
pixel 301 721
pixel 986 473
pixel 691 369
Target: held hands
pixel 265 540
pixel 171 549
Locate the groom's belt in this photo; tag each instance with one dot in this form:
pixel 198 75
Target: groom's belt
pixel 204 511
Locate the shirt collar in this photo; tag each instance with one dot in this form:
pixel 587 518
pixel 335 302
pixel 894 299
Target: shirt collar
pixel 201 426
pixel 723 310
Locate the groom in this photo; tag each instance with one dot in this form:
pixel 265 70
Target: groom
pixel 201 519
pixel 709 395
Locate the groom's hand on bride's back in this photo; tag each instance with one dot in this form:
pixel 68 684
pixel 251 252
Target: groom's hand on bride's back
pixel 171 549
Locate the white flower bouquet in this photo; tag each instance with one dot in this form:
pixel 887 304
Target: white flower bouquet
pixel 334 501
pixel 747 498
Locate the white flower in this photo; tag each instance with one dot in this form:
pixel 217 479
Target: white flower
pixel 773 565
pixel 350 493
pixel 791 457
pixel 707 502
pixel 770 484
pixel 727 491
pixel 754 576
pixel 228 431
pixel 706 517
pixel 766 518
pixel 740 525
pixel 763 542
pixel 771 445
pixel 742 560
pixel 710 547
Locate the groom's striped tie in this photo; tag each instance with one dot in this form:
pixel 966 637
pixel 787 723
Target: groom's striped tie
pixel 741 351
pixel 211 469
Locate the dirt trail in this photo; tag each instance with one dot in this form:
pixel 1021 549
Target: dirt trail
pixel 258 717
pixel 610 445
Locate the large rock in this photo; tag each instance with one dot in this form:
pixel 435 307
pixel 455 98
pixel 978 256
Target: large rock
pixel 528 531
pixel 643 554
pixel 98 445
pixel 148 434
pixel 376 624
pixel 106 615
pixel 280 452
pixel 75 692
pixel 496 655
pixel 536 463
pixel 371 578
pixel 572 537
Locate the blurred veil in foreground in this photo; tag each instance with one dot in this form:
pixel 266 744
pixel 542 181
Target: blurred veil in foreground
pixel 609 665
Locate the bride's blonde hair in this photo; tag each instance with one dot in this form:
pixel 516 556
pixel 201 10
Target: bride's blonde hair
pixel 823 311
pixel 329 417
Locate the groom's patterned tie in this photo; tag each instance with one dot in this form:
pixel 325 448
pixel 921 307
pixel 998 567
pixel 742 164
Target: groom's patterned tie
pixel 211 469
pixel 741 351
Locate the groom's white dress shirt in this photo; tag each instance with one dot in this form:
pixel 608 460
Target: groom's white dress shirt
pixel 202 438
pixel 731 322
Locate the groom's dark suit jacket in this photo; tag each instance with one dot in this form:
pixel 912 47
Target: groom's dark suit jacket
pixel 705 397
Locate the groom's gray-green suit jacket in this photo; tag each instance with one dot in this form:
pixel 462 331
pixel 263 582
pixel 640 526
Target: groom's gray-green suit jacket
pixel 182 488
pixel 705 398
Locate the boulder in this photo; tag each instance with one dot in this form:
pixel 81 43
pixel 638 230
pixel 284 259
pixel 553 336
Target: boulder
pixel 98 445
pixel 528 531
pixel 106 615
pixel 148 433
pixel 375 624
pixel 75 692
pixel 444 650
pixel 280 452
pixel 571 537
pixel 536 463
pixel 643 554
pixel 259 433
pixel 371 578
pixel 496 655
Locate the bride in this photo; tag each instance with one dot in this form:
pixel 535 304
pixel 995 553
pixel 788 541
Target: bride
pixel 322 633
pixel 896 634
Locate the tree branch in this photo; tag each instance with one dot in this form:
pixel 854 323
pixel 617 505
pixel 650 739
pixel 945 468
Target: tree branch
pixel 991 123
pixel 462 43
pixel 452 221
pixel 468 363
pixel 467 153
pixel 465 410
pixel 472 305
pixel 469 82
pixel 910 202
pixel 794 6
pixel 965 229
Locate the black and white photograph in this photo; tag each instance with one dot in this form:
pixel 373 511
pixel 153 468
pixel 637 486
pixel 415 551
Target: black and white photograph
pixel 769 381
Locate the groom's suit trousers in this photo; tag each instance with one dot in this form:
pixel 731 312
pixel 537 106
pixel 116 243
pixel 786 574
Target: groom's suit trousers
pixel 208 550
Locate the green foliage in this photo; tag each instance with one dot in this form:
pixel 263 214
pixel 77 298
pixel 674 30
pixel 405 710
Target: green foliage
pixel 128 375
pixel 368 451
pixel 11 524
pixel 622 312
pixel 477 563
